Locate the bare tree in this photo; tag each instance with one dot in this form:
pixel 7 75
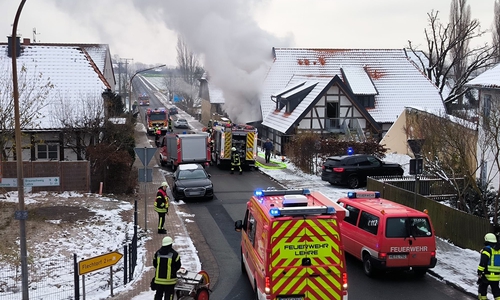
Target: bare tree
pixel 496 31
pixel 447 48
pixel 188 63
pixel 34 89
pixel 450 149
pixel 460 16
pixel 81 121
pixel 490 129
pixel 190 71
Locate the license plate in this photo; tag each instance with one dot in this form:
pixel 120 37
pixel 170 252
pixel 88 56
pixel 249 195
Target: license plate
pixel 291 298
pixel 195 193
pixel 397 256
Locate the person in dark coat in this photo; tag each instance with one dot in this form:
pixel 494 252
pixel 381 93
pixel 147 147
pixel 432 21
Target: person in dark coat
pixel 166 262
pixel 161 206
pixel 268 147
pixel 488 271
pixel 235 160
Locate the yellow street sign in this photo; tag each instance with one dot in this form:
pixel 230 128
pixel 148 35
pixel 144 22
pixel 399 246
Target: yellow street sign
pixel 95 263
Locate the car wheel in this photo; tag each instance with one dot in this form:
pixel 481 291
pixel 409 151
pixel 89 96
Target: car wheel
pixel 353 181
pixel 210 197
pixel 368 266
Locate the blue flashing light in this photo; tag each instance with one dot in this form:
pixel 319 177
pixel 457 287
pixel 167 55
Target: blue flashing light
pixel 330 210
pixel 306 192
pixel 258 193
pixel 275 212
pixel 362 194
pixel 350 151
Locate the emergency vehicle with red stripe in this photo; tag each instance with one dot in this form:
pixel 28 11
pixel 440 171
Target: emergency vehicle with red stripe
pixel 291 246
pixel 386 235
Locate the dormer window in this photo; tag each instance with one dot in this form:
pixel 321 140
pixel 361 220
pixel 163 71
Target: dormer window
pixel 368 101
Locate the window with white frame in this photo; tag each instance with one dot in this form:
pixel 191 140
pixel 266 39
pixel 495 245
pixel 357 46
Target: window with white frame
pixel 47 151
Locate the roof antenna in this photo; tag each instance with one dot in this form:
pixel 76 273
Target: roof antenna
pixel 34 34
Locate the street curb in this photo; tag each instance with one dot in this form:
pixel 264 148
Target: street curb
pixel 455 286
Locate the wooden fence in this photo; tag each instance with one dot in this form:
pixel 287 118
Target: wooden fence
pixel 73 175
pixel 458 227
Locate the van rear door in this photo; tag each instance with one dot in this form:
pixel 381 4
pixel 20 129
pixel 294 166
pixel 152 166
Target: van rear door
pixel 307 261
pixel 410 241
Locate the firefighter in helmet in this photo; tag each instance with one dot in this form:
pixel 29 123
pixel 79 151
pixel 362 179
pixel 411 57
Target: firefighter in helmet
pixel 235 160
pixel 488 271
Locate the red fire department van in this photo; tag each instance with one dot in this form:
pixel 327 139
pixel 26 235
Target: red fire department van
pixel 387 235
pixel 291 246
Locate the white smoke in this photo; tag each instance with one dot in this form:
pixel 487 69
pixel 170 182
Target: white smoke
pixel 232 48
pixel 235 51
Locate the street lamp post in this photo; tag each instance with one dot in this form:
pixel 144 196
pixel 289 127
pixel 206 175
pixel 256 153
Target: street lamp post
pixel 130 85
pixel 21 214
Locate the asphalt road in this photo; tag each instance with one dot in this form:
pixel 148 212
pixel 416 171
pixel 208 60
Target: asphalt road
pixel 215 220
pixel 213 232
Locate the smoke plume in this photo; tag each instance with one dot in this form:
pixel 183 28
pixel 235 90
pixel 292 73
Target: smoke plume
pixel 234 50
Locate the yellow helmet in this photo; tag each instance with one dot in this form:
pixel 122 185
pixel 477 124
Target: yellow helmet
pixel 167 241
pixel 233 149
pixel 490 238
pixel 164 184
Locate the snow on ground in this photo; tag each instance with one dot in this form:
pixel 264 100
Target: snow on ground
pixel 462 274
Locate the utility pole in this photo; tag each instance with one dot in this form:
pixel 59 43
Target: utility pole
pixel 21 214
pixel 120 77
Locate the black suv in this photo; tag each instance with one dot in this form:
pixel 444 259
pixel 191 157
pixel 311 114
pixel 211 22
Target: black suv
pixel 192 181
pixel 352 170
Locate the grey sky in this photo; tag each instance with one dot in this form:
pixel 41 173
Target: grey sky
pixel 137 33
pixel 233 38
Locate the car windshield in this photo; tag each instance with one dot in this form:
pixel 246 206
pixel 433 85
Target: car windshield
pixel 405 227
pixel 157 117
pixel 182 121
pixel 191 174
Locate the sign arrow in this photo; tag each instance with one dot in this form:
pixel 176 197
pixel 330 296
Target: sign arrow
pixel 99 262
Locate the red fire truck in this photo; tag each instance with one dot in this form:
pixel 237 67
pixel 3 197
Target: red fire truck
pixel 157 118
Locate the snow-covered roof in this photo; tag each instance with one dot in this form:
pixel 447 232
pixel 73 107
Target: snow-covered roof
pixel 388 74
pixel 283 121
pixel 487 79
pixel 215 94
pixel 72 71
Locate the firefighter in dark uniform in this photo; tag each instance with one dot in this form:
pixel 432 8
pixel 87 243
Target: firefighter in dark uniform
pixel 161 206
pixel 166 262
pixel 157 136
pixel 235 160
pixel 170 124
pixel 488 271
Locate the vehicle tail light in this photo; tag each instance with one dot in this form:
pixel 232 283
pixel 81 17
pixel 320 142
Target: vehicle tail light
pixel 323 167
pixel 339 170
pixel 267 289
pixel 344 283
pixel 433 253
pixel 382 255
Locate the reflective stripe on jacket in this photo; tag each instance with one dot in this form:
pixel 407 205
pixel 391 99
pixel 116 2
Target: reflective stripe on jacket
pixel 161 202
pixel 167 265
pixel 490 263
pixel 235 159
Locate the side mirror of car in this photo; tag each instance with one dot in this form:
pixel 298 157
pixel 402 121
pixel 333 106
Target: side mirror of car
pixel 208 175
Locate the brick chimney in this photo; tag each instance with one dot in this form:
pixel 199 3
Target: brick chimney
pixel 9 46
pixel 26 41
